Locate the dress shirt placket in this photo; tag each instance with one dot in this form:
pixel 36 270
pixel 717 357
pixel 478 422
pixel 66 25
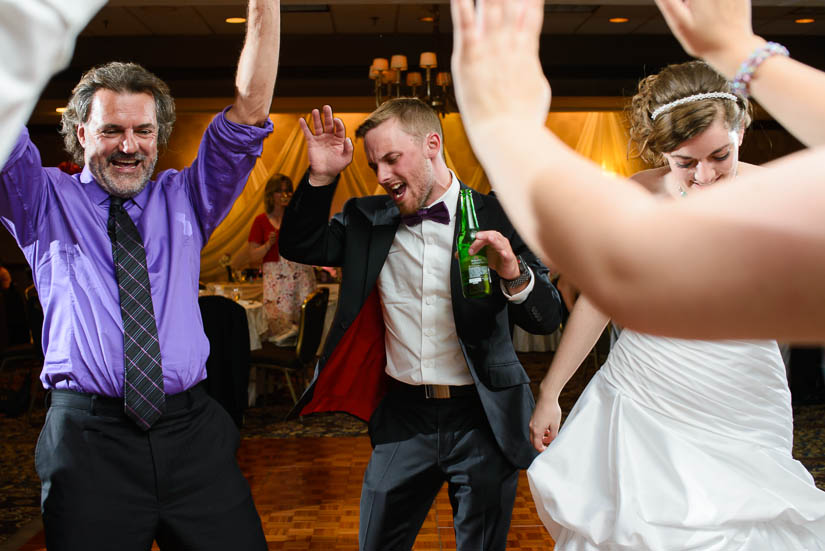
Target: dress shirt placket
pixel 430 303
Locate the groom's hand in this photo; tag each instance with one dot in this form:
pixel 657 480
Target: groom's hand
pixel 500 255
pixel 328 148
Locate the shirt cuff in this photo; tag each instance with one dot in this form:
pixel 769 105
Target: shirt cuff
pixel 240 138
pixel 522 295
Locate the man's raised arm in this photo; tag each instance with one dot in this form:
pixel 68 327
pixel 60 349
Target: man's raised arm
pixel 258 65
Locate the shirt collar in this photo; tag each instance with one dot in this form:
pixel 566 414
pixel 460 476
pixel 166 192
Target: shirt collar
pixel 100 197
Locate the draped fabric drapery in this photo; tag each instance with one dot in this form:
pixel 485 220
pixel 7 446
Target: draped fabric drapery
pixel 600 136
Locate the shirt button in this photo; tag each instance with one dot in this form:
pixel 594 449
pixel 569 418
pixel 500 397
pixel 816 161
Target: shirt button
pixel 430 300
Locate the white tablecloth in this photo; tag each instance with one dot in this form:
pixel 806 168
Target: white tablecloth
pixel 256 320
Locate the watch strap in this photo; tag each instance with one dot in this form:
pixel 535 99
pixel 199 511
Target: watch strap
pixel 523 277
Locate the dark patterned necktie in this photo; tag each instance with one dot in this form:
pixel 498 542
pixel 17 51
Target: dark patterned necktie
pixel 143 396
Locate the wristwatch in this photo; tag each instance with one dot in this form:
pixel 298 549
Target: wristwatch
pixel 523 276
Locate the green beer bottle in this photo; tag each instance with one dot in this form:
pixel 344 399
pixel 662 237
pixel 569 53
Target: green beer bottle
pixel 475 274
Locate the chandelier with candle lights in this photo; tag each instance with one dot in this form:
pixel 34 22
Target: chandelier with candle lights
pixel 434 88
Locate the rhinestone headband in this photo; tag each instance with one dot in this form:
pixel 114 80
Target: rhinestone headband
pixel 689 99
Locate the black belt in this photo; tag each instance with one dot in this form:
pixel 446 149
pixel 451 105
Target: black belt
pixel 438 392
pixel 113 407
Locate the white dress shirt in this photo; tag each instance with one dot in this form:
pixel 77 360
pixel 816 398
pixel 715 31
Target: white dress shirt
pixel 414 286
pixel 36 40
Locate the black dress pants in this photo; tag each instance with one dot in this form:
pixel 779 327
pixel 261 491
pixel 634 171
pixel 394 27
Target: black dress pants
pixel 420 443
pixel 108 485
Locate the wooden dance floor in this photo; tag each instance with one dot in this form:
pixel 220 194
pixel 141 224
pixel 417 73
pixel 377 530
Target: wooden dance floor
pixel 307 492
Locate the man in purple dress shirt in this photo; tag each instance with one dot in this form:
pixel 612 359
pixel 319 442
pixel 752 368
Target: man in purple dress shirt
pixel 106 482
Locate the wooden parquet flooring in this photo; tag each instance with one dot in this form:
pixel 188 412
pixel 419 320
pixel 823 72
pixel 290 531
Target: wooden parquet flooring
pixel 307 492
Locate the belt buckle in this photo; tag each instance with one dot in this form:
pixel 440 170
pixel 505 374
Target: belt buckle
pixel 436 391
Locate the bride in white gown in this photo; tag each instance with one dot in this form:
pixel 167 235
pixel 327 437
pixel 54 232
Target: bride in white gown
pixel 674 444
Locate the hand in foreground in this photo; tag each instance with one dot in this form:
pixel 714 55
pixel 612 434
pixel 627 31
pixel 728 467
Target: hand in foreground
pixel 714 30
pixel 500 255
pixel 329 149
pixel 545 422
pixel 495 62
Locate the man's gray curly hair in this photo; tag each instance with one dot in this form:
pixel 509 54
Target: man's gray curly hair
pixel 121 78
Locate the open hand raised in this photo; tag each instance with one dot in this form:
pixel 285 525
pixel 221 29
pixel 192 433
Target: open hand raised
pixel 718 31
pixel 329 149
pixel 496 64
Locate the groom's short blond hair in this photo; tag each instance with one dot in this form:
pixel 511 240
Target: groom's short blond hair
pixel 416 118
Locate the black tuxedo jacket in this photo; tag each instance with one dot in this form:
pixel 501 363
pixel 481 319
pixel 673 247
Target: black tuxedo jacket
pixel 358 239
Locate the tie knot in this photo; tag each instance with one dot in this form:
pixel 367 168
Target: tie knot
pixel 115 202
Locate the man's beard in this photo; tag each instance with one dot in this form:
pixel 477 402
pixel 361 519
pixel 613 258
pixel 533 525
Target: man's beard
pixel 426 175
pixel 125 186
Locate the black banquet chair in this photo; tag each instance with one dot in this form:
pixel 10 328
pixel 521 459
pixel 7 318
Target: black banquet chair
pixel 30 354
pixel 298 359
pixel 227 367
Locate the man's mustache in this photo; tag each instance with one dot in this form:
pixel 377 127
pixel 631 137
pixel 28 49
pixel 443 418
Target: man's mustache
pixel 123 157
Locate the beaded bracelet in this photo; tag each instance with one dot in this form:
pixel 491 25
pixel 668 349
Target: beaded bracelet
pixel 741 83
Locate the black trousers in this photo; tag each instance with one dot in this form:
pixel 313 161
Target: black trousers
pixel 420 443
pixel 108 485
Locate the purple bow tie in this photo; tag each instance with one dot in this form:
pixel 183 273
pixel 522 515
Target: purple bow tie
pixel 436 213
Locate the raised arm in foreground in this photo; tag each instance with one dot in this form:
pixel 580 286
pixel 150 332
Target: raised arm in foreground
pixel 258 64
pixel 742 260
pixel 36 40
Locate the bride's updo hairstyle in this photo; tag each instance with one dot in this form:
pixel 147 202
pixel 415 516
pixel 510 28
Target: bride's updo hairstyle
pixel 666 110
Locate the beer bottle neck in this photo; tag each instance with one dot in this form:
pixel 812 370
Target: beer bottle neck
pixel 468 212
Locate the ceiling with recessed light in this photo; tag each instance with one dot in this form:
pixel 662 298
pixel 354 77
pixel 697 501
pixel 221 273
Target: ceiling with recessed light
pixel 207 17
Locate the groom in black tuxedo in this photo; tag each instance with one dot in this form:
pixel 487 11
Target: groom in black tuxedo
pixel 434 373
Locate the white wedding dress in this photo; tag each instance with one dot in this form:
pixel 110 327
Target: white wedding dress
pixel 680 445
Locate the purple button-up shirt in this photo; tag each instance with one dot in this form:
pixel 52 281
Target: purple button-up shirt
pixel 59 221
